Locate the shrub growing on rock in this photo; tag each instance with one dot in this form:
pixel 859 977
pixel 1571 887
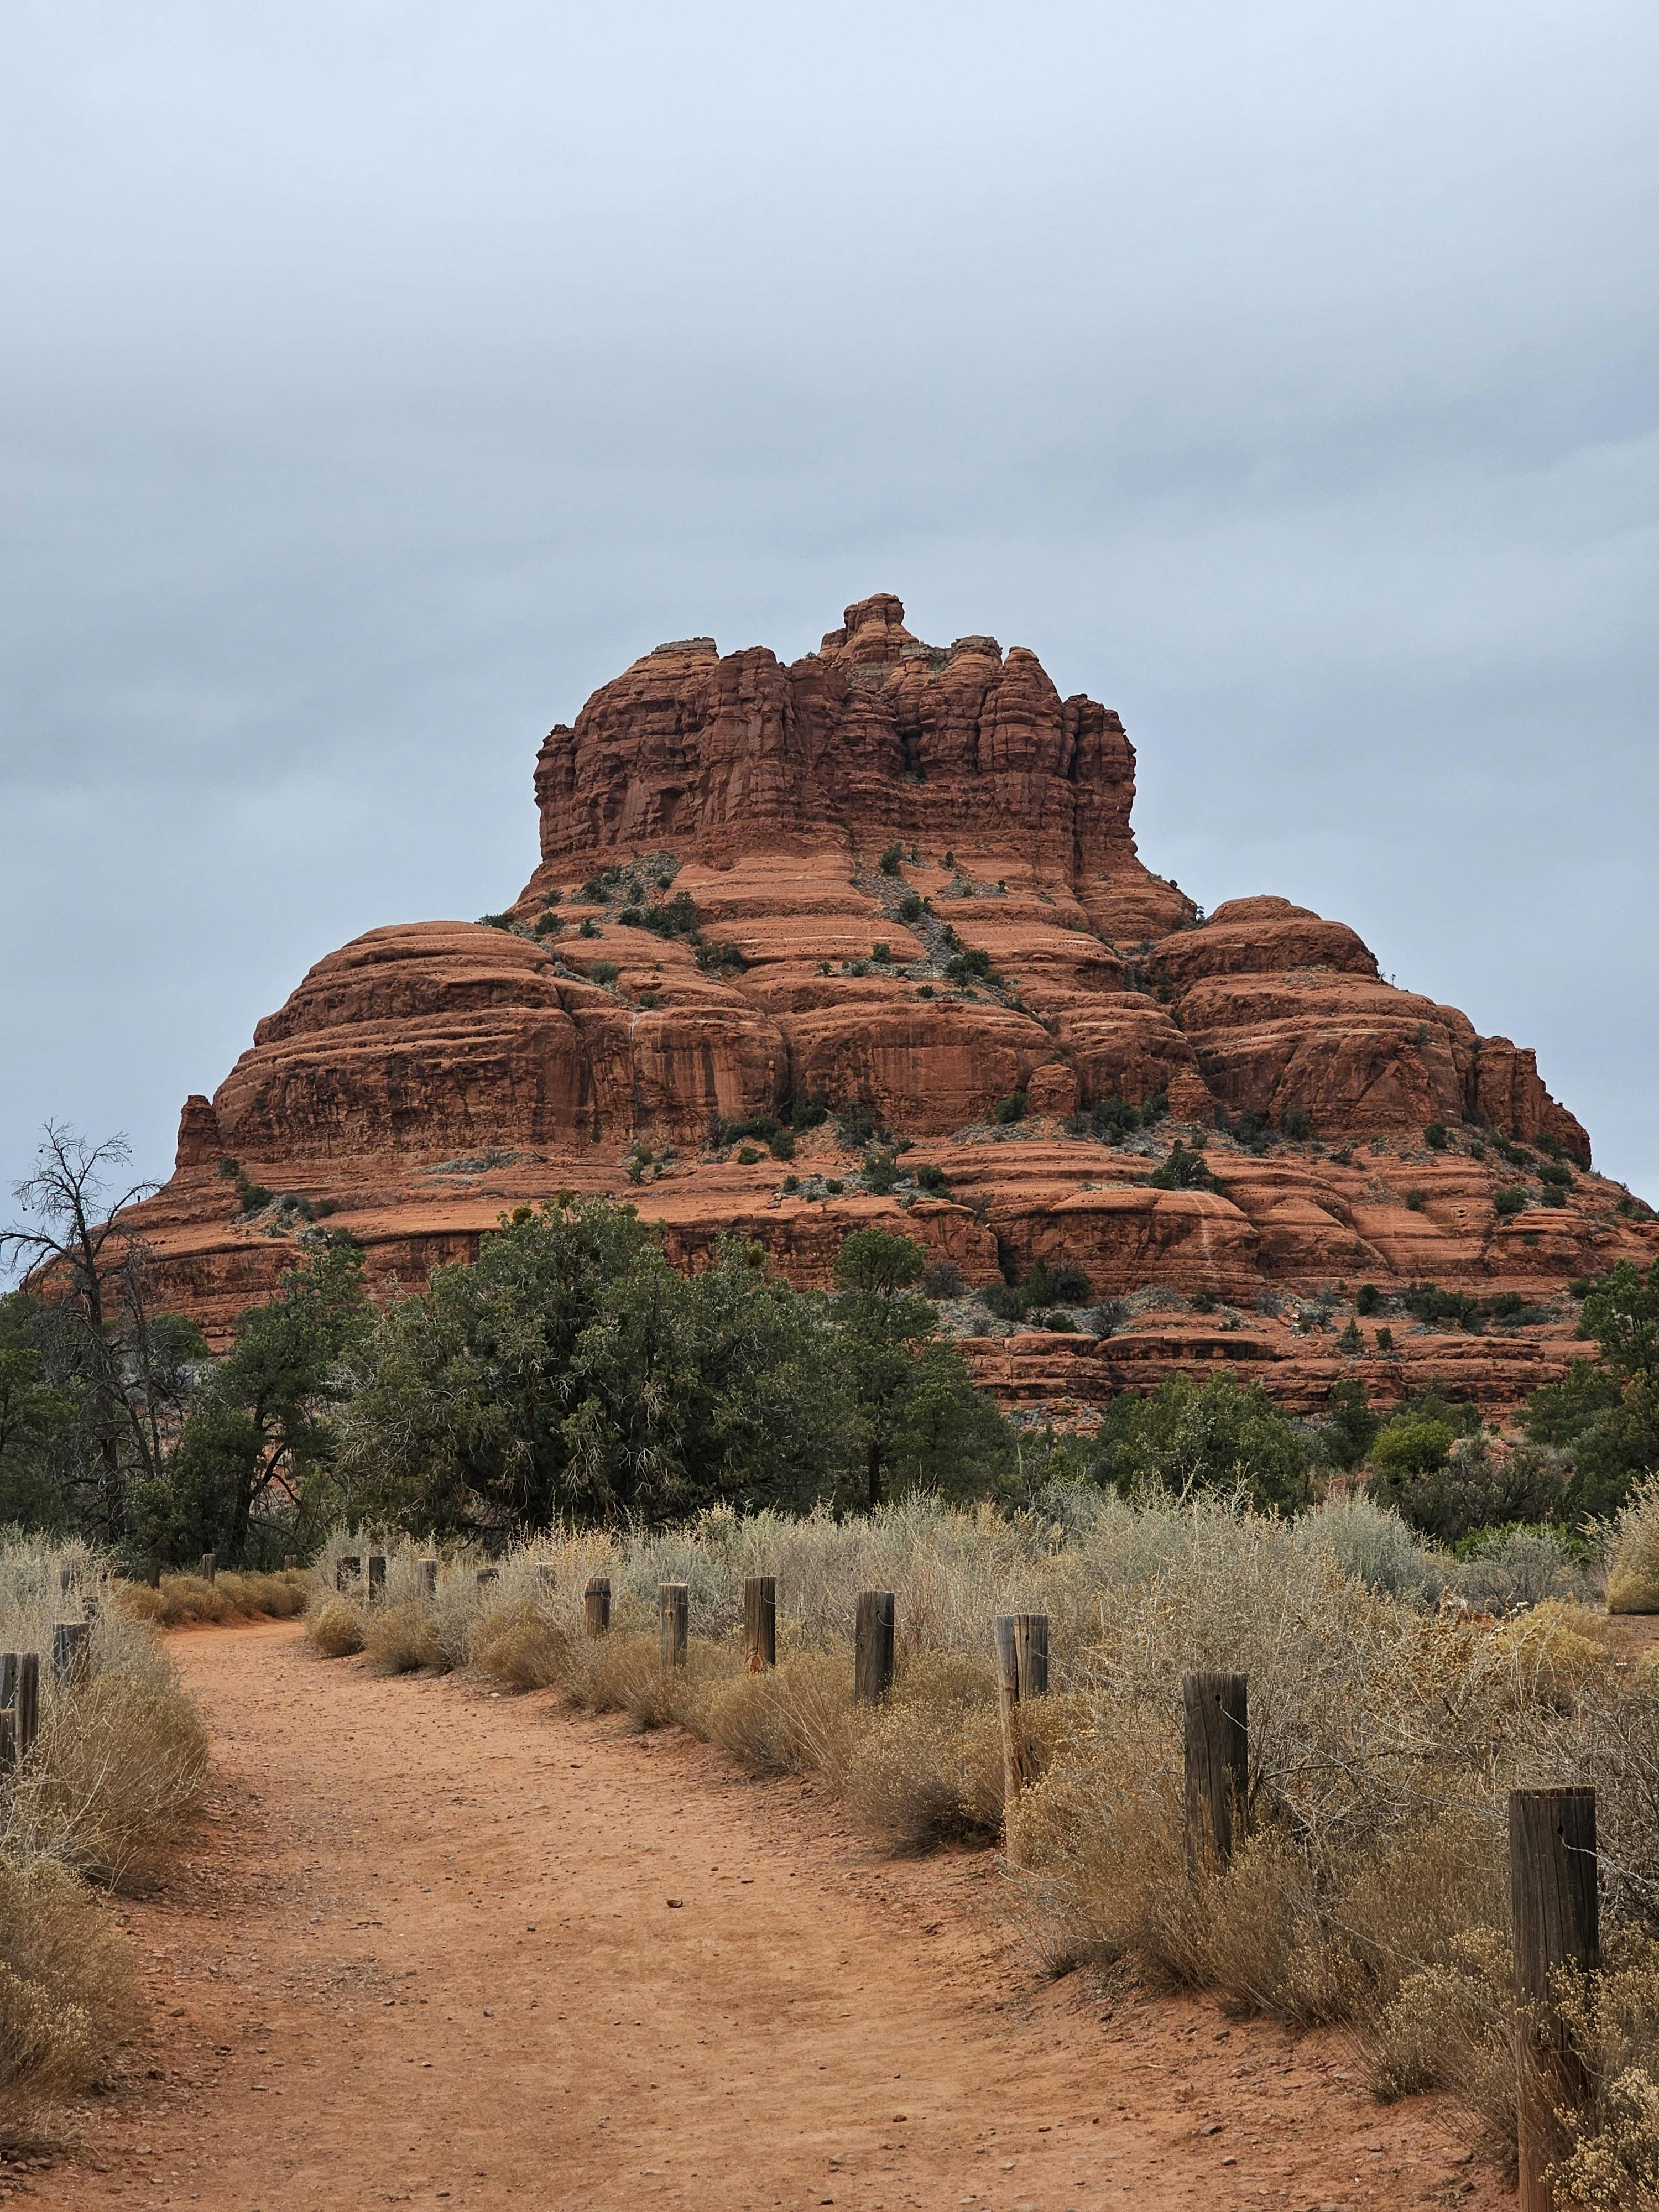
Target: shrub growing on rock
pixel 1186 1169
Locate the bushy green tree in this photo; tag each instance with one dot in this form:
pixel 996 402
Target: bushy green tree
pixel 1621 1313
pixel 459 1423
pixel 919 1420
pixel 1606 1412
pixel 1473 1486
pixel 715 1388
pixel 1213 1435
pixel 261 1427
pixel 1350 1424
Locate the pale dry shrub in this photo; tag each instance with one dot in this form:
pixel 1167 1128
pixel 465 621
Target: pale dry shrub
pixel 66 1992
pixel 337 1627
pixel 279 1595
pixel 399 1639
pixel 623 1673
pixel 180 1602
pixel 1518 1567
pixel 184 1600
pixel 113 1782
pixel 928 1769
pixel 1613 2017
pixel 797 1717
pixel 1557 1649
pixel 110 1785
pixel 514 1643
pixel 1634 1551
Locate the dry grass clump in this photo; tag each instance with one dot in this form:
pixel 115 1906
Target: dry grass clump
pixel 927 1766
pixel 187 1600
pixel 1634 1551
pixel 108 1787
pixel 797 1717
pixel 66 1992
pixel 516 1644
pixel 1557 1648
pixel 337 1627
pixel 280 1596
pixel 112 1782
pixel 398 1639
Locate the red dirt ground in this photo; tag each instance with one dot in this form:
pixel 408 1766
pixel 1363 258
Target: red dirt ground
pixel 632 1975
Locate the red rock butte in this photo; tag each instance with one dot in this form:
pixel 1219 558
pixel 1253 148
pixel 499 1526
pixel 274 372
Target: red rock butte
pixel 903 877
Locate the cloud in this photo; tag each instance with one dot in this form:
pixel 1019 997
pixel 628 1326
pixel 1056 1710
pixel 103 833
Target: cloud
pixel 383 379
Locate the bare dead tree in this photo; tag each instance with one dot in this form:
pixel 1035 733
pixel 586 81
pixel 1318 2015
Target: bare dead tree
pixel 75 1251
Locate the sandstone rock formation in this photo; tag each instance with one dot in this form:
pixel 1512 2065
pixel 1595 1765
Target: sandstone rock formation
pixel 902 878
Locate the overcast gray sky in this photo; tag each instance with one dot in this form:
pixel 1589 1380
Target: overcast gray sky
pixel 379 378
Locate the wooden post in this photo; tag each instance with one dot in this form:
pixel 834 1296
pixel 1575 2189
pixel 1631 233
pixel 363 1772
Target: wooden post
pixel 596 1607
pixel 65 1581
pixel 1218 1748
pixel 290 1562
pixel 546 1581
pixel 153 1574
pixel 377 1577
pixel 872 1647
pixel 1556 1920
pixel 8 1739
pixel 28 1702
pixel 71 1653
pixel 9 1664
pixel 1021 1643
pixel 673 1622
pixel 760 1622
pixel 348 1569
pixel 209 1566
pixel 428 1582
pixel 486 1577
pixel 1031 1643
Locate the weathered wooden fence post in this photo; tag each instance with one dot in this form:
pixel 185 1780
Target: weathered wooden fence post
pixel 290 1562
pixel 8 1754
pixel 596 1607
pixel 65 1581
pixel 1021 1643
pixel 377 1578
pixel 28 1702
pixel 153 1574
pixel 760 1622
pixel 209 1566
pixel 427 1583
pixel 347 1570
pixel 71 1653
pixel 487 1578
pixel 872 1647
pixel 673 1622
pixel 1556 1919
pixel 1217 1763
pixel 546 1582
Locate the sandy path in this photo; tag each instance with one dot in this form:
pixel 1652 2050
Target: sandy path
pixel 441 1947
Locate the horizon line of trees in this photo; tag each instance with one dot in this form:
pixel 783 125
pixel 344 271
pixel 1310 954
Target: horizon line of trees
pixel 572 1373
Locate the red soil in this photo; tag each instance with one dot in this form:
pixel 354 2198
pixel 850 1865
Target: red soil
pixel 633 1975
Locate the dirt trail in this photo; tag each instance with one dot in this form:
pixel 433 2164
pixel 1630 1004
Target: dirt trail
pixel 442 1946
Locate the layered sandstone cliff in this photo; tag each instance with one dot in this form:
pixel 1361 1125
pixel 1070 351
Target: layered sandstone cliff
pixel 904 878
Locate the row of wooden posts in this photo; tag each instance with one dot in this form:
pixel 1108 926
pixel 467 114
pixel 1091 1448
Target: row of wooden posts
pixel 1552 1832
pixel 19 1687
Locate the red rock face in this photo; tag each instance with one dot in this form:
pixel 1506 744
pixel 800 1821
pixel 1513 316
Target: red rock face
pixel 1012 943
